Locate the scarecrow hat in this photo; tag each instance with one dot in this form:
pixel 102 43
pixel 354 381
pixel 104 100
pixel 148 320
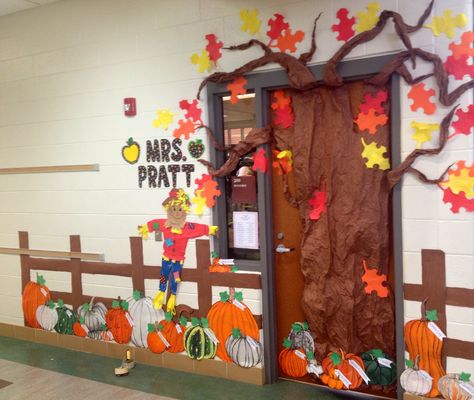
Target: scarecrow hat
pixel 177 197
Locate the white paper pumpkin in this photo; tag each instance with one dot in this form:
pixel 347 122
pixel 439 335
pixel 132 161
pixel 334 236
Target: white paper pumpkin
pixel 143 313
pixel 244 351
pixel 47 316
pixel 93 314
pixel 453 386
pixel 300 336
pixel 415 380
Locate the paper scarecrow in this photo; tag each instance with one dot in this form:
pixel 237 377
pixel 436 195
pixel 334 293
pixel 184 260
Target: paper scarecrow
pixel 176 232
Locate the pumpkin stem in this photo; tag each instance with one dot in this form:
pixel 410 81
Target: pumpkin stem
pixel 423 308
pixel 342 354
pixel 91 303
pixel 156 326
pixel 417 360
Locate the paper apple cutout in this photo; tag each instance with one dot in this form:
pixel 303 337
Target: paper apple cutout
pixel 131 152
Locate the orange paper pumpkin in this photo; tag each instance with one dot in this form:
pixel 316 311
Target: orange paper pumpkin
pixel 292 362
pixel 78 328
pixel 118 321
pixel 34 295
pixel 174 333
pixel 339 361
pixel 155 337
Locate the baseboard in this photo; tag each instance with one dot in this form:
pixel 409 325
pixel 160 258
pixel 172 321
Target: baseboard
pixel 409 396
pixel 180 362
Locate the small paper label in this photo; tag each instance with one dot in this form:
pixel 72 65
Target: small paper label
pixel 129 319
pixel 163 339
pixel 251 341
pixel 109 335
pixel 425 374
pixel 384 361
pixel 300 354
pixel 178 328
pixel 45 293
pixel 211 335
pixel 86 329
pixel 315 369
pixel 359 370
pixel 226 261
pixel 435 329
pixel 467 387
pixel 237 303
pixel 346 382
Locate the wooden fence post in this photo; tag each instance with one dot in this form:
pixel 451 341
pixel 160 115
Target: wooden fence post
pixel 25 270
pixel 76 275
pixel 136 250
pixel 203 249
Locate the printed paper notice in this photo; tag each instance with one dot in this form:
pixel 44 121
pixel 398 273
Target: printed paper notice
pixel 245 229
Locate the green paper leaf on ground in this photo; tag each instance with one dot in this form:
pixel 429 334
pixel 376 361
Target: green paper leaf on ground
pixel 236 333
pixel 432 315
pixel 224 296
pixel 137 295
pixel 287 343
pixel 408 363
pixel 151 328
pixel 205 322
pixel 238 296
pixel 40 280
pixel 335 358
pixel 195 321
pixel 465 377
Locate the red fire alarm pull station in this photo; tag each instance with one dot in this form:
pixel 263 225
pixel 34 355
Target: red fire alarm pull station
pixel 130 106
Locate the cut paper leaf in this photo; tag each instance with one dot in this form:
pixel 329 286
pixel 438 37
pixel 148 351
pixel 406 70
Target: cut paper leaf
pixel 423 132
pixel 260 161
pixel 276 26
pixel 366 20
pixel 431 315
pixel 282 161
pixel 344 27
pixel 199 203
pixel 460 179
pixel 284 117
pixel 185 129
pixel 335 358
pixel 236 87
pixel 374 281
pixel 464 47
pixel 287 41
pixel 210 192
pixel 375 102
pixel 280 100
pixel 250 21
pixel 213 47
pixel 421 98
pixel 408 363
pixel 202 180
pixel 370 121
pixel 164 119
pixel 460 67
pixel 317 204
pixel 192 110
pixel 458 201
pixel 375 155
pixel 202 61
pixel 447 24
pixel 465 122
pixel 465 377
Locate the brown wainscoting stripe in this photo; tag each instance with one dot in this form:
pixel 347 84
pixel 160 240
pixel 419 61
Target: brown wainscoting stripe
pixel 459 348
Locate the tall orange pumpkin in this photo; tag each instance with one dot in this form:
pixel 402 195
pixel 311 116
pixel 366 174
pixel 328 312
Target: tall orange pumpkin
pixel 174 332
pixel 341 362
pixel 118 321
pixel 230 313
pixel 34 295
pixel 420 340
pixel 292 362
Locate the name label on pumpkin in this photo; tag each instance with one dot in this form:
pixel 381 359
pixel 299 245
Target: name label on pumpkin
pixel 251 341
pixel 467 387
pixel 346 382
pixel 86 329
pixel 163 339
pixel 211 335
pixel 384 361
pixel 435 329
pixel 178 328
pixel 129 319
pixel 45 293
pixel 69 313
pixel 300 354
pixel 425 374
pixel 226 261
pixel 315 369
pixel 238 304
pixel 359 370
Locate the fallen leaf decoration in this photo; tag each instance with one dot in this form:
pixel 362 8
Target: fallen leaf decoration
pixel 368 19
pixel 421 98
pixel 465 121
pixel 213 47
pixel 447 24
pixel 185 129
pixel 370 121
pixel 287 41
pixel 423 132
pixel 374 281
pixel 260 161
pixel 236 88
pixel 276 26
pixel 164 119
pixel 375 155
pixel 460 179
pixel 374 102
pixel 202 61
pixel 192 110
pixel 317 204
pixel 344 27
pixel 250 21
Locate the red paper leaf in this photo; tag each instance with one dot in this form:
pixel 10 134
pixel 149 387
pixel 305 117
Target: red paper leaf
pixel 374 281
pixel 370 121
pixel 280 100
pixel 317 204
pixel 459 67
pixel 260 161
pixel 210 192
pixel 186 128
pixel 458 201
pixel 344 27
pixel 277 25
pixel 464 47
pixel 213 47
pixel 369 101
pixel 421 98
pixel 284 117
pixel 465 121
pixel 192 110
pixel 287 41
pixel 236 87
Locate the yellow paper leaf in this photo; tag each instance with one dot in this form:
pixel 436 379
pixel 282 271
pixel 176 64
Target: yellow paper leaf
pixel 199 203
pixel 366 20
pixel 202 61
pixel 423 132
pixel 164 119
pixel 461 180
pixel 250 21
pixel 447 23
pixel 375 155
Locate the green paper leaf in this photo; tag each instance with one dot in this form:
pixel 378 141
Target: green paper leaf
pixel 137 295
pixel 115 304
pixel 234 268
pixel 310 355
pixel 205 323
pixel 465 377
pixel 214 254
pixel 224 296
pixel 151 328
pixel 195 321
pixel 40 280
pixel 60 303
pixel 408 363
pixel 82 320
pixel 130 141
pixel 335 358
pixel 160 327
pixel 238 296
pixel 432 315
pixel 183 321
pixel 305 326
pixel 50 304
pixel 198 141
pixel 103 327
pixel 156 226
pixel 236 333
pixel 377 353
pixel 87 307
pixel 124 305
pixel 168 316
pixel 287 343
pixel 296 327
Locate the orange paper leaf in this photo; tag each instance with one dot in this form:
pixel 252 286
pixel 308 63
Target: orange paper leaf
pixel 287 41
pixel 210 192
pixel 280 100
pixel 186 128
pixel 463 48
pixel 236 87
pixel 370 121
pixel 374 281
pixel 421 98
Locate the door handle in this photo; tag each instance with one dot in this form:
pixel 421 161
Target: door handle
pixel 282 249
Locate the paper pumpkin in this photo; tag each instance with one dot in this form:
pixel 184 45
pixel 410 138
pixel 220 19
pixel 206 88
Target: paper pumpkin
pixel 156 341
pixel 375 155
pixel 287 41
pixel 79 328
pixel 344 27
pixel 423 132
pixel 250 21
pixel 292 362
pixel 173 332
pixel 66 319
pixel 276 26
pixel 131 152
pixel 300 337
pixel 236 88
pixel 119 321
pixel 243 350
pixel 34 295
pixel 421 98
pixel 339 362
pixel 370 121
pixel 374 281
pixel 447 23
pixel 452 386
pixel 197 341
pixel 379 372
pixel 414 380
pixel 367 19
pixel 93 314
pixel 47 316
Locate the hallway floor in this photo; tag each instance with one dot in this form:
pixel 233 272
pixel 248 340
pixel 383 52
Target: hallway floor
pixel 43 372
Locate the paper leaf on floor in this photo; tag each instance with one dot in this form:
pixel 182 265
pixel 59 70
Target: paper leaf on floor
pixel 375 155
pixel 250 21
pixel 375 102
pixel 276 26
pixel 421 98
pixel 366 20
pixel 459 67
pixel 464 47
pixel 287 41
pixel 344 27
pixel 317 205
pixel 447 24
pixel 280 100
pixel 374 281
pixel 282 161
pixel 465 122
pixel 458 201
pixel 192 110
pixel 213 47
pixel 460 179
pixel 185 129
pixel 370 121
pixel 199 203
pixel 284 117
pixel 202 180
pixel 423 132
pixel 202 61
pixel 260 161
pixel 164 119
pixel 236 87
pixel 210 192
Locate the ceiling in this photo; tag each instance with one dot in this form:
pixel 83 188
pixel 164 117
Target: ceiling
pixel 12 6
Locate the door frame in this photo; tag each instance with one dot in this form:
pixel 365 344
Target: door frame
pixel 261 83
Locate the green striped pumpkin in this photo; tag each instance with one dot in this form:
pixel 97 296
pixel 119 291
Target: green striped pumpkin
pixel 378 373
pixel 197 343
pixel 66 319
